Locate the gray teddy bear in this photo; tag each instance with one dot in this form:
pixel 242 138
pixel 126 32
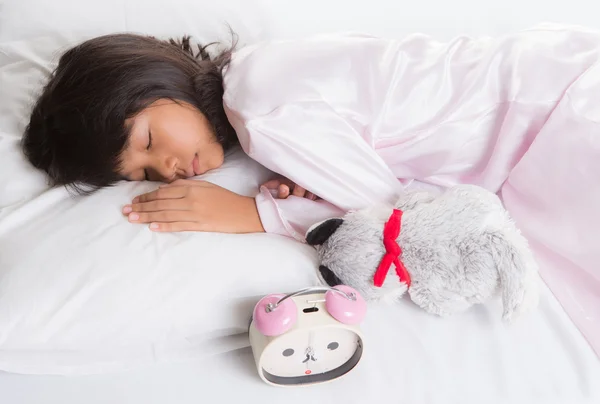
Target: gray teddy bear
pixel 449 251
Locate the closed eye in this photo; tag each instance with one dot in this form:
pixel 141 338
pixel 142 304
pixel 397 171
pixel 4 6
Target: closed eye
pixel 149 140
pixel 146 176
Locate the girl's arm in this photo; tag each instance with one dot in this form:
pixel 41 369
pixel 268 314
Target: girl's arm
pixel 293 215
pixel 320 152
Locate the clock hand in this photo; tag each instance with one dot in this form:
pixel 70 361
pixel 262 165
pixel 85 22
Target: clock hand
pixel 310 355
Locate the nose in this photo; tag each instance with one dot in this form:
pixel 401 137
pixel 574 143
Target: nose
pixel 168 169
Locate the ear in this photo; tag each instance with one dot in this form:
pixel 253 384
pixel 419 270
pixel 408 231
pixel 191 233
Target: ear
pixel 329 277
pixel 319 233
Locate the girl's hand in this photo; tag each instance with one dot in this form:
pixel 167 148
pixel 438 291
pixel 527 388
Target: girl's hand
pixel 281 188
pixel 187 205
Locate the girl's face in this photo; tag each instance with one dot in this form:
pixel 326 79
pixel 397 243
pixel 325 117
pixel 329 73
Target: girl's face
pixel 169 141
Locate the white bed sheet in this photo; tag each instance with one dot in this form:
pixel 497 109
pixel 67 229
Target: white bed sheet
pixel 410 357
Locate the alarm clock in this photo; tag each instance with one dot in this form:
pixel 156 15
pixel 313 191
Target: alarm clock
pixel 307 337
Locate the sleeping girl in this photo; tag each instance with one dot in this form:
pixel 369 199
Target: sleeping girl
pixel 351 119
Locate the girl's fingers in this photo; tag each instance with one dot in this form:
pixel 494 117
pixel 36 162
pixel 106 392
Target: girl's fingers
pixel 299 191
pixel 283 191
pixel 159 205
pixel 176 227
pixel 273 184
pixel 311 196
pixel 166 216
pixel 162 193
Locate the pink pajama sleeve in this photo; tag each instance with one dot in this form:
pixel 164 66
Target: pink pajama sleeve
pixel 320 151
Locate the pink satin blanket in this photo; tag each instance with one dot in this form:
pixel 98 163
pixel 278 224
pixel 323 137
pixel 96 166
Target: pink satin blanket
pixel 357 119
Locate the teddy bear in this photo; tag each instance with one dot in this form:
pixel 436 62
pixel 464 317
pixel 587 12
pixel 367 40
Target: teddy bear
pixel 450 250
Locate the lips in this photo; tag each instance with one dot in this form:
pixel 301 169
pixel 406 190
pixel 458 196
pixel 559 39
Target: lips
pixel 196 165
pixel 192 170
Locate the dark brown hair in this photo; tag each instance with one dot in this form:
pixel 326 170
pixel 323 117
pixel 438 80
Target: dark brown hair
pixel 77 130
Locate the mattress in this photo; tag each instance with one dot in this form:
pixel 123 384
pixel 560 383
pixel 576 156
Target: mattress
pixel 409 358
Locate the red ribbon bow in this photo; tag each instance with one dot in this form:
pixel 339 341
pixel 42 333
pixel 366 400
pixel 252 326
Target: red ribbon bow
pixel 391 231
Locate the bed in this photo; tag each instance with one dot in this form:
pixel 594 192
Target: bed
pixel 94 309
pixel 468 360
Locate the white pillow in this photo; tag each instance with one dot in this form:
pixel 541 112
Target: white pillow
pixel 24 20
pixel 33 34
pixel 83 290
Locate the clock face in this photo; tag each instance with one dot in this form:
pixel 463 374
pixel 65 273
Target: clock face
pixel 313 354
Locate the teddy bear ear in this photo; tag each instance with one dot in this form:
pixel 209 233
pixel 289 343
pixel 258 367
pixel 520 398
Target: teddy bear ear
pixel 329 277
pixel 319 233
